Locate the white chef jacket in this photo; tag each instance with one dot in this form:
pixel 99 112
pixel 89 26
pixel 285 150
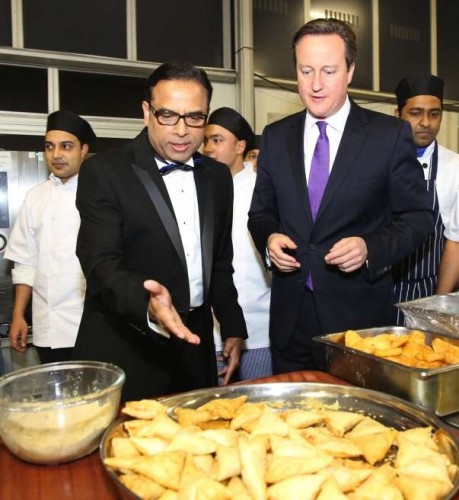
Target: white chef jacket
pixel 447 185
pixel 252 282
pixel 42 245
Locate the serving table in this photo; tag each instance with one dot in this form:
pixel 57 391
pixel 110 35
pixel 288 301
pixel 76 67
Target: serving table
pixel 85 479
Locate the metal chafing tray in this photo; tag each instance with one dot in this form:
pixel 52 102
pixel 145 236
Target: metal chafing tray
pixel 439 313
pixel 434 389
pixel 390 411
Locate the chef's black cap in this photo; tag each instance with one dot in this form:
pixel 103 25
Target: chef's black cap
pixel 234 122
pixel 418 85
pixel 70 122
pixel 255 144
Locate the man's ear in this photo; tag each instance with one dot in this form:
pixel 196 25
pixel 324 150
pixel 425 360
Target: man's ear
pixel 241 145
pixel 146 112
pixel 84 150
pixel 397 113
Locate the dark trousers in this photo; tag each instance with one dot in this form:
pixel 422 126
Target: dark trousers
pixel 197 364
pixel 48 355
pixel 301 353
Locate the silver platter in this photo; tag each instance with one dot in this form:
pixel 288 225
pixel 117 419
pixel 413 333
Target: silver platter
pixel 388 410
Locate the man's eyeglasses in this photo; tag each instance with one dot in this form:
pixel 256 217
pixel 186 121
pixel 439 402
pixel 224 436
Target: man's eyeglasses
pixel 169 118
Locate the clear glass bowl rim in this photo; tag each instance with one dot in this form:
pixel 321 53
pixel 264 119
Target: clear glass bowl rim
pixel 62 365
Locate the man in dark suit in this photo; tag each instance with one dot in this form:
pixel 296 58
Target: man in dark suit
pixel 158 210
pixel 335 205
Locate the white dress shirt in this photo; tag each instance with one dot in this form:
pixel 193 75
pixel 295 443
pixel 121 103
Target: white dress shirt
pixel 42 245
pixel 182 192
pixel 252 282
pixel 447 186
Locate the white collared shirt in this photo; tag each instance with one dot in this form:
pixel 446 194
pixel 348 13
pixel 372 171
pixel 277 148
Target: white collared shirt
pixel 182 192
pixel 42 245
pixel 252 282
pixel 335 129
pixel 447 186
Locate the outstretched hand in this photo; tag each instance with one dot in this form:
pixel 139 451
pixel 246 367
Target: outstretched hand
pixel 162 311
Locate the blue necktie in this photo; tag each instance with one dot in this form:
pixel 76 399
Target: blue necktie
pixel 318 177
pixel 420 152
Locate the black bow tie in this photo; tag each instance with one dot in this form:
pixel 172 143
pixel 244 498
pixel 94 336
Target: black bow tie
pixel 175 166
pixel 179 166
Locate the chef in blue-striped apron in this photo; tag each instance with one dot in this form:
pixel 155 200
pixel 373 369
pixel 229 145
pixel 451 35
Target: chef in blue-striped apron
pixel 420 102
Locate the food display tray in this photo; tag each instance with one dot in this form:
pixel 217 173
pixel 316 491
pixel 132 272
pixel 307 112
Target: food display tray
pixel 390 411
pixel 438 313
pixel 434 389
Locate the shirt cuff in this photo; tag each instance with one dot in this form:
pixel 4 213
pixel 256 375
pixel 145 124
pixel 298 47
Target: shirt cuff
pixel 268 263
pixel 157 328
pixel 22 274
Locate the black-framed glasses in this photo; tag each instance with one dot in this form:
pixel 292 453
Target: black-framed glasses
pixel 170 118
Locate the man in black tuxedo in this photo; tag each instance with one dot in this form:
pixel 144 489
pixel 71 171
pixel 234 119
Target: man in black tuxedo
pixel 335 205
pixel 155 246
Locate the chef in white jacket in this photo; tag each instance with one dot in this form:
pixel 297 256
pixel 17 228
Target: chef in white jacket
pixel 420 102
pixel 227 137
pixel 42 246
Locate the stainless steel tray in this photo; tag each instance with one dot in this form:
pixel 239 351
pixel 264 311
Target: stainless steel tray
pixel 386 409
pixel 432 389
pixel 438 313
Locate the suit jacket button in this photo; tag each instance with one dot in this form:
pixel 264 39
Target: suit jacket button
pixel 311 246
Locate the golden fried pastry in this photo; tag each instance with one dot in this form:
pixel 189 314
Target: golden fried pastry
pixel 223 408
pixel 331 491
pixel 204 462
pixel 340 447
pixel 190 473
pixel 409 350
pixel 123 447
pixel 247 415
pixel 348 479
pixel 146 409
pixel 165 468
pixel 227 463
pixel 224 437
pixel 192 441
pixel 253 465
pixel 283 467
pixel 149 445
pixel 366 426
pixel 189 416
pixel 303 418
pixel 270 423
pixel 263 453
pixel 238 489
pixel 142 486
pixel 375 446
pixel 339 422
pixel 299 487
pixel 380 484
pixel 204 489
pixel 433 467
pixel 289 447
pixel 418 488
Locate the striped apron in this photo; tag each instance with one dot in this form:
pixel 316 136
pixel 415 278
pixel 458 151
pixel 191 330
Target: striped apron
pixel 416 276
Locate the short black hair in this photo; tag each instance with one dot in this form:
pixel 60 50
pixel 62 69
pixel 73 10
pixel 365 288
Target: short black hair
pixel 178 70
pixel 330 26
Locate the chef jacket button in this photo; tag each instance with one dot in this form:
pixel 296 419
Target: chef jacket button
pixel 311 246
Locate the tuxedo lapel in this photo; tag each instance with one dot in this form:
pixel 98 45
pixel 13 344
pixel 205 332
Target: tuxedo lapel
pixel 296 152
pixel 351 142
pixel 144 167
pixel 205 196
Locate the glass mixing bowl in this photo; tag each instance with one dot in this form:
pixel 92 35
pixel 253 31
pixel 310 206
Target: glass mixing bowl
pixel 57 412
